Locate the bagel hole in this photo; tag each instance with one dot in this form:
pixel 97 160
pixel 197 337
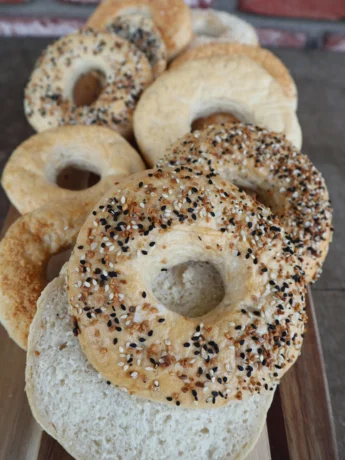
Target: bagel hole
pixel 212 28
pixel 56 262
pixel 252 193
pixel 214 119
pixel 265 197
pixel 191 289
pixel 213 111
pixel 73 178
pixel 88 88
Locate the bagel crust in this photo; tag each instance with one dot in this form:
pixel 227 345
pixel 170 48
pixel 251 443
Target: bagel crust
pixel 213 26
pixel 271 63
pixel 171 17
pixel 25 252
pixel 30 175
pixel 49 93
pixel 269 165
pixel 155 220
pixel 234 84
pixel 144 34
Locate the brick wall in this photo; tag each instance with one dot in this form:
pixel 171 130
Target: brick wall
pixel 280 23
pixel 310 9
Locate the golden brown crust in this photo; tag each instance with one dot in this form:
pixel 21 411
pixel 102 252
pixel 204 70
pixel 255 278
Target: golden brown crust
pixel 49 100
pixel 161 218
pixel 25 251
pixel 29 177
pixel 171 17
pixel 271 63
pixel 283 178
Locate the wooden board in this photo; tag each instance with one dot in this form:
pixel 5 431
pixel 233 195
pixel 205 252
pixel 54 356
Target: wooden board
pixel 299 424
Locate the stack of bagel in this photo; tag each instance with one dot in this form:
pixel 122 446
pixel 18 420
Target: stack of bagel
pixel 182 304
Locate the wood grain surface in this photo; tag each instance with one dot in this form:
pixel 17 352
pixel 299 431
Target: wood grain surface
pixel 51 450
pixel 305 400
pixel 300 421
pixel 19 433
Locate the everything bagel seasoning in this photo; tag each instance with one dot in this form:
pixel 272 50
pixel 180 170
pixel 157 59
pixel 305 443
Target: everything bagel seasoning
pixel 240 348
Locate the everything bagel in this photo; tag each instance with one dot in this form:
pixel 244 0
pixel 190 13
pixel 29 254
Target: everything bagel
pixel 49 95
pixel 171 17
pixel 282 177
pixel 265 58
pixel 76 426
pixel 142 33
pixel 234 84
pixel 155 220
pixel 25 252
pixel 30 175
pixel 212 26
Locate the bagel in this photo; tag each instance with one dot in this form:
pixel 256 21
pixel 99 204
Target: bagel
pixel 171 17
pixel 93 420
pixel 271 63
pixel 49 99
pixel 25 252
pixel 30 175
pixel 234 84
pixel 210 26
pixel 282 177
pixel 142 33
pixel 156 220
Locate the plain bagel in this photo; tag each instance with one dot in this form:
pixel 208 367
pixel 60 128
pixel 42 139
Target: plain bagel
pixel 212 26
pixel 171 17
pixel 234 84
pixel 271 63
pixel 124 71
pixel 25 252
pixel 270 166
pixel 144 34
pixel 30 175
pixel 156 220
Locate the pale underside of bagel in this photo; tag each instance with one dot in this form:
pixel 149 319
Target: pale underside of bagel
pixel 92 419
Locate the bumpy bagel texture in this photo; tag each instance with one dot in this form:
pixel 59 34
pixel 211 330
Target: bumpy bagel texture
pixel 282 177
pixel 49 98
pixel 171 17
pixel 234 84
pixel 144 34
pixel 212 26
pixel 30 175
pixel 265 58
pixel 94 420
pixel 155 220
pixel 25 252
